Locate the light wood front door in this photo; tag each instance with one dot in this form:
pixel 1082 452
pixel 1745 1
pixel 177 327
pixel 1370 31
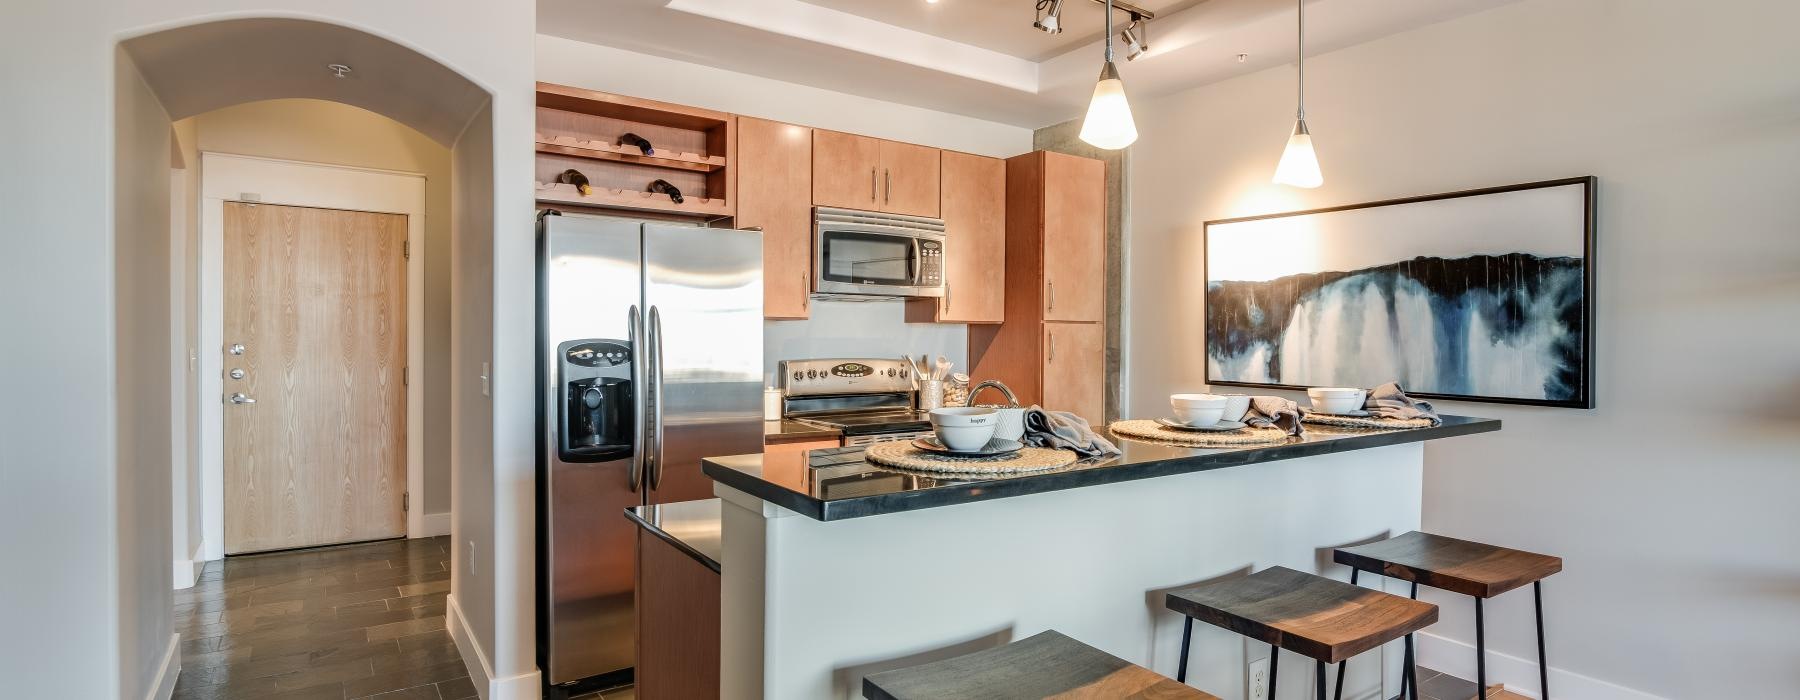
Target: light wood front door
pixel 317 300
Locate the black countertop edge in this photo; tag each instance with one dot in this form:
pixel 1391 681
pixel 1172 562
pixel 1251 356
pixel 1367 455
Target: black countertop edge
pixel 793 430
pixel 1099 473
pixel 663 519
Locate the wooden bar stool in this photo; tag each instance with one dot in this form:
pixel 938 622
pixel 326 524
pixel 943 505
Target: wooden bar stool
pixel 1045 665
pixel 1460 566
pixel 1329 621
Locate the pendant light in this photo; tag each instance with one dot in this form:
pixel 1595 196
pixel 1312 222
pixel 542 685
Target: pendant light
pixel 1108 124
pixel 1299 166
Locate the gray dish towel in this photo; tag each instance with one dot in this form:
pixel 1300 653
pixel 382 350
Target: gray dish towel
pixel 1064 430
pixel 1274 411
pixel 1388 401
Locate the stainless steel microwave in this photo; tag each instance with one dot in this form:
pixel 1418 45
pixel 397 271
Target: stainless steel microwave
pixel 876 254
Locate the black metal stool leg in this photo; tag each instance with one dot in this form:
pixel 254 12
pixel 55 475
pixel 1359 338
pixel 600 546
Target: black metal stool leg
pixel 1187 632
pixel 1319 674
pixel 1274 668
pixel 1409 674
pixel 1537 596
pixel 1480 653
pixel 1339 694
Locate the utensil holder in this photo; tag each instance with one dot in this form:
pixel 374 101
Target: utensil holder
pixel 931 394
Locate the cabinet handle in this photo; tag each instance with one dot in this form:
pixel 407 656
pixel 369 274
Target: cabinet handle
pixel 1052 284
pixel 888 175
pixel 1052 347
pixel 946 295
pixel 871 184
pixel 805 298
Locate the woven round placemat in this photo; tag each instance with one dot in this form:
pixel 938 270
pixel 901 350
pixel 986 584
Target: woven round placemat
pixel 1157 432
pixel 1366 423
pixel 902 454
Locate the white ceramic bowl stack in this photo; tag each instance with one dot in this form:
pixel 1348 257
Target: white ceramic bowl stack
pixel 1337 400
pixel 964 429
pixel 1198 410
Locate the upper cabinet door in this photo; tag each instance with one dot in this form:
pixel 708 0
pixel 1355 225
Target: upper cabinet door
pixel 774 190
pixel 1074 238
pixel 846 171
pixel 974 195
pixel 909 179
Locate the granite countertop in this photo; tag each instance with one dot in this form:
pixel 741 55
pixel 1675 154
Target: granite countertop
pixel 837 484
pixel 785 430
pixel 691 526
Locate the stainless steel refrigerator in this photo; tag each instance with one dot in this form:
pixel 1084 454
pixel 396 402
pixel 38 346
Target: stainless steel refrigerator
pixel 649 359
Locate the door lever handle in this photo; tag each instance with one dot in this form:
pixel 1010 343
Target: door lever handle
pixel 239 398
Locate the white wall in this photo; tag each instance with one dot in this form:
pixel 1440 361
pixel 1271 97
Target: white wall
pixel 60 457
pixel 140 255
pixel 836 329
pixel 184 264
pixel 1672 503
pixel 317 131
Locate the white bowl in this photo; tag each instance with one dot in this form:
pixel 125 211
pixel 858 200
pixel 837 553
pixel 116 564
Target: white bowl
pixel 1236 405
pixel 964 416
pixel 1338 401
pixel 1335 391
pixel 1198 410
pixel 966 437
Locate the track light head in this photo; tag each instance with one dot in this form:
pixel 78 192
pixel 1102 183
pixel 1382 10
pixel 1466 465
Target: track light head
pixel 1050 22
pixel 1133 37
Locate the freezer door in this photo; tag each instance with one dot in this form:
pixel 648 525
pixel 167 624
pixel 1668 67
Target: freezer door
pixel 703 288
pixel 590 355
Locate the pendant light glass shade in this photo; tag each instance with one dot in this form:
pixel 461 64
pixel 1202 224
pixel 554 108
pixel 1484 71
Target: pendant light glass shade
pixel 1299 166
pixel 1108 123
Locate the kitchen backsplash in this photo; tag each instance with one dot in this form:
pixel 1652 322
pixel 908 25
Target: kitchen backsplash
pixel 860 329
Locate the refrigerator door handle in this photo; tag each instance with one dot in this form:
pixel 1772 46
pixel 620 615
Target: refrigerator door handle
pixel 655 469
pixel 633 322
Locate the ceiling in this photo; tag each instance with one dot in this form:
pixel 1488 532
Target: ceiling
pixel 1000 25
pixel 976 57
pixel 203 67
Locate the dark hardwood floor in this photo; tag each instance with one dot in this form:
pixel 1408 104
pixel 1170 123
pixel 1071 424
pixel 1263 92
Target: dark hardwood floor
pixel 356 621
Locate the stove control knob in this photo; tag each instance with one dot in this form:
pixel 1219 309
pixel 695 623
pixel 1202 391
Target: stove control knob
pixel 797 375
pixel 812 373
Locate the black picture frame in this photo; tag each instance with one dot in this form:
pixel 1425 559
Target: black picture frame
pixel 1584 396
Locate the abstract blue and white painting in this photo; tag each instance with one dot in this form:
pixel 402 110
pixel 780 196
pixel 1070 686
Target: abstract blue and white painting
pixel 1480 296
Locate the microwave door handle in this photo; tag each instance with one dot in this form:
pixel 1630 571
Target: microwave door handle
pixel 917 262
pixel 634 321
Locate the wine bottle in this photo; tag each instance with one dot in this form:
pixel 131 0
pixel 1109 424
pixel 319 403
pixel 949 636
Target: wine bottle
pixel 663 187
pixel 574 177
pixel 643 144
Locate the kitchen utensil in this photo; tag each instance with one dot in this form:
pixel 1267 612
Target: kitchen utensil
pixel 1336 400
pixel 943 369
pixel 1219 427
pixel 994 447
pixel 1197 410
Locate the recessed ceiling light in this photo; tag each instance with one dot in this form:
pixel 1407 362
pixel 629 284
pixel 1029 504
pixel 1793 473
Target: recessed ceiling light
pixel 338 69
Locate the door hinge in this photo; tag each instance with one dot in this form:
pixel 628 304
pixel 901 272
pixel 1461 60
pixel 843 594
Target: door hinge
pixel 405 501
pixel 406 249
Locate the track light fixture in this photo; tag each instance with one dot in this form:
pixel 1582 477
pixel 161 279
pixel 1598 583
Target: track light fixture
pixel 1049 22
pixel 1108 123
pixel 1135 36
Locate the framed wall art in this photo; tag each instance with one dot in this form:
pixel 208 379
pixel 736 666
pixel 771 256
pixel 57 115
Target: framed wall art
pixel 1482 295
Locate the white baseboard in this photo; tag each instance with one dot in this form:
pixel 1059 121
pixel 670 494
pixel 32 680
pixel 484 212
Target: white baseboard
pixel 435 524
pixel 187 571
pixel 1518 675
pixel 164 687
pixel 524 686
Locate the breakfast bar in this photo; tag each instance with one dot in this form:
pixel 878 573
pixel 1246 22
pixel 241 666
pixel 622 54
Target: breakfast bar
pixel 835 568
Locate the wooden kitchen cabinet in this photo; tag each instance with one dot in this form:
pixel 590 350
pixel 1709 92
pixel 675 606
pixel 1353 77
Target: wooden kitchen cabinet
pixel 1051 351
pixel 1073 376
pixel 678 623
pixel 846 170
pixel 974 212
pixel 775 192
pixel 910 179
pixel 860 172
pixel 1074 229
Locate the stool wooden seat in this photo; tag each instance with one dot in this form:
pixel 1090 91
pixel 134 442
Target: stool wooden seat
pixel 1046 665
pixel 1471 568
pixel 1326 620
pixel 1459 566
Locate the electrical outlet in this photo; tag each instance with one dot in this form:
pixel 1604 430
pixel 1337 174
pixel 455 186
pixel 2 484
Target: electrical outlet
pixel 1259 679
pixel 471 557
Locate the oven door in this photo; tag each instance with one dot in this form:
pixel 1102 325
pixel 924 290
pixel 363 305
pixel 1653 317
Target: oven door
pixel 876 260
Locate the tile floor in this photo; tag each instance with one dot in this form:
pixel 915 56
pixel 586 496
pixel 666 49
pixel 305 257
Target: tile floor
pixel 356 621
